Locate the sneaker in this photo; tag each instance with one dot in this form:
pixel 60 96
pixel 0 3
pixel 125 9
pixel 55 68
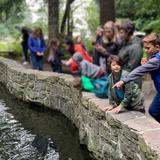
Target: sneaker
pixel 25 63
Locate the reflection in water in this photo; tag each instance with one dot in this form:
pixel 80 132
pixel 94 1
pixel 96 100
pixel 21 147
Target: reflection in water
pixel 30 132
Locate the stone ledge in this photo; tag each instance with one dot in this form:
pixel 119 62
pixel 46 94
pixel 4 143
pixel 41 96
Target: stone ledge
pixel 129 135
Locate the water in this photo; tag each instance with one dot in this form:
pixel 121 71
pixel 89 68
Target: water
pixel 30 132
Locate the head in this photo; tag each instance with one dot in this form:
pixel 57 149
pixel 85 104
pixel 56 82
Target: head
pixel 109 30
pixel 126 30
pixel 37 33
pixel 68 44
pixel 77 57
pixel 78 39
pixel 54 43
pixel 99 31
pixel 151 43
pixel 114 64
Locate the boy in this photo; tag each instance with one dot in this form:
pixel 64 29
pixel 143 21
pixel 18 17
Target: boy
pixel 129 97
pixel 152 47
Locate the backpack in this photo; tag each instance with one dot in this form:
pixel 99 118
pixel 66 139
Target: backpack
pixel 102 90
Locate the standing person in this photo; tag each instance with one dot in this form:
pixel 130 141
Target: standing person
pixel 24 43
pixel 152 47
pixel 37 47
pixel 129 97
pixel 106 45
pixel 55 55
pixel 130 53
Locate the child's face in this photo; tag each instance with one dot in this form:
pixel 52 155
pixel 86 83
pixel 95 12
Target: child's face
pixel 115 67
pixel 150 48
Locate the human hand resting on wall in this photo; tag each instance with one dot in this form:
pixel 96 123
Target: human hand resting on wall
pixel 108 108
pixel 117 109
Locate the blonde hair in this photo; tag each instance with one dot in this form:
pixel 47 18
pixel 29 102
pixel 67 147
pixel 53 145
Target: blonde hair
pixel 110 25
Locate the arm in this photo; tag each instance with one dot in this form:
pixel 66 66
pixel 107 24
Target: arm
pixel 31 45
pixel 151 65
pixel 43 46
pixel 127 94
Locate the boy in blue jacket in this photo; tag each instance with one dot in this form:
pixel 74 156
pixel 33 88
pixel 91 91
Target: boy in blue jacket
pixel 152 47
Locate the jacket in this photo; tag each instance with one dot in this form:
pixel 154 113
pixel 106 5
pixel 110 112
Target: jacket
pixel 133 98
pixel 35 46
pixel 152 66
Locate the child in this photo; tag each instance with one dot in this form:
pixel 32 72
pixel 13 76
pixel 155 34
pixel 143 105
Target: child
pixel 86 68
pixel 55 55
pixel 152 47
pixel 129 97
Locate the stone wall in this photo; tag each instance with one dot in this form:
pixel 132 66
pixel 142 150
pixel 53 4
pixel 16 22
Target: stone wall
pixel 125 136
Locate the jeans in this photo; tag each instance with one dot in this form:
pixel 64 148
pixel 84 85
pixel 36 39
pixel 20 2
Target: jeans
pixel 37 61
pixel 154 109
pixel 25 52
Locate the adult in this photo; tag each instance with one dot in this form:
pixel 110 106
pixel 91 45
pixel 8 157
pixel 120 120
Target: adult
pixel 106 45
pixel 37 47
pixel 131 52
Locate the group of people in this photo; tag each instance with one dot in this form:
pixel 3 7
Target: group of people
pixel 118 60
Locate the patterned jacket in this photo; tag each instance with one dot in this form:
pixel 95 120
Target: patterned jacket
pixel 133 98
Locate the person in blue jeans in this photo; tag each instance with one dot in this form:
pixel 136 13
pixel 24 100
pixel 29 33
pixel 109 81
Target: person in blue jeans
pixel 37 47
pixel 152 47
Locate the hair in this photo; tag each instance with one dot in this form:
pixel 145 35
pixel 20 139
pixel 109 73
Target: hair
pixel 70 43
pixel 111 25
pixel 53 45
pixel 112 58
pixel 152 38
pixel 54 42
pixel 37 33
pixel 129 27
pixel 76 39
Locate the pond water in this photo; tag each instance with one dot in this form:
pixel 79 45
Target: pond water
pixel 30 132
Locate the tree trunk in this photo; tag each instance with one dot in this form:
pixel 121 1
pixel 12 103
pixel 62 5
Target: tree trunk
pixel 66 15
pixel 107 11
pixel 53 19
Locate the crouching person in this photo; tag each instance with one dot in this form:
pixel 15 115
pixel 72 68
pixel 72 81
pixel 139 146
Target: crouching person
pixel 87 72
pixel 129 96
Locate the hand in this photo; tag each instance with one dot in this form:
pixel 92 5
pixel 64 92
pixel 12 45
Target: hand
pixel 108 108
pixel 119 84
pixel 117 109
pixel 100 48
pixel 143 61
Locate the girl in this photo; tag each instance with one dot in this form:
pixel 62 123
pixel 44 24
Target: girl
pixel 55 55
pixel 37 47
pixel 129 97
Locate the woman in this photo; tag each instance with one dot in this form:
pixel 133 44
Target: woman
pixel 37 47
pixel 107 45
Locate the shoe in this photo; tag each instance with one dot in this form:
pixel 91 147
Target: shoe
pixel 25 63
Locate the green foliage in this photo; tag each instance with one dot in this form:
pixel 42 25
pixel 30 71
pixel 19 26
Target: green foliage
pixel 144 13
pixel 93 17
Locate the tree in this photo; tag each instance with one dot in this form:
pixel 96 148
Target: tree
pixel 53 18
pixel 66 15
pixel 107 11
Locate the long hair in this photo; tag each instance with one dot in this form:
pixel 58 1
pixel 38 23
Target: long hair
pixel 37 33
pixel 70 43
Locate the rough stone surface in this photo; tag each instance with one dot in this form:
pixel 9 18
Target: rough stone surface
pixel 125 136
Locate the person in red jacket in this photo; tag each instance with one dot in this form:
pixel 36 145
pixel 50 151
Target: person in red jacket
pixel 73 48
